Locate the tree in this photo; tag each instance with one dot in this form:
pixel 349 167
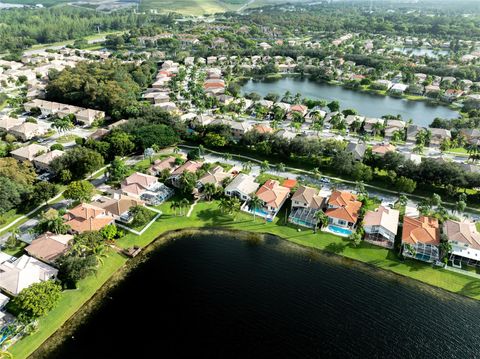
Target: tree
pixel 254 203
pixel 43 191
pixel 403 184
pixel 118 170
pixel 141 215
pixel 72 268
pixel 215 140
pixel 334 106
pixel 80 161
pixel 109 232
pixel 12 240
pixel 150 135
pixel 10 194
pixel 209 190
pixel 460 206
pixel 174 206
pixel 121 143
pixel 51 221
pixel 280 167
pixel 355 238
pixel 264 166
pixel 79 191
pixel 38 299
pixel 321 219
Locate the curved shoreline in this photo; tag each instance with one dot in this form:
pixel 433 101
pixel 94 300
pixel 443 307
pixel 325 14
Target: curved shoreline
pixel 93 304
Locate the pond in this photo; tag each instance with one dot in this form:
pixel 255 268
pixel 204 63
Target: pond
pixel 366 104
pixel 220 297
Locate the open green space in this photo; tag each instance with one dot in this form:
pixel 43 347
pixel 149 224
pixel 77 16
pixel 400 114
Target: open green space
pixel 191 7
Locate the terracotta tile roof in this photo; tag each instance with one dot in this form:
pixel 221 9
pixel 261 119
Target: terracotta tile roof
pixel 118 206
pixel 462 232
pixel 189 166
pixel 309 196
pixel 137 183
pixel 382 149
pixel 49 246
pixel 420 230
pixel 341 198
pixel 346 204
pixel 298 108
pixel 260 128
pixel 272 194
pixel 289 183
pixel 164 164
pixel 87 217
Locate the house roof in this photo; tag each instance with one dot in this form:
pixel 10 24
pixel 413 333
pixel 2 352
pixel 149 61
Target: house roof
pixel 358 149
pixel 440 132
pixel 49 246
pixel 272 194
pixel 382 149
pixel 462 232
pixel 420 230
pixel 346 205
pixel 8 122
pixel 118 206
pixel 189 166
pixel 137 183
pixel 48 157
pixel 298 108
pixel 215 176
pixel 261 128
pixel 290 183
pixel 243 183
pixel 309 196
pixel 164 164
pixel 26 128
pixel 23 272
pixel 89 113
pixel 385 217
pixel 87 217
pixel 30 151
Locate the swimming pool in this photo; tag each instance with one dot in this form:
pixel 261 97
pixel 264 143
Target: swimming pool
pixel 339 230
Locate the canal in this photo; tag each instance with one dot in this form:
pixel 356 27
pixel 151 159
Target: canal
pixel 367 104
pixel 220 297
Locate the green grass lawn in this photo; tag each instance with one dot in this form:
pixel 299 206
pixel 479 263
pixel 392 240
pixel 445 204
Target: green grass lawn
pixel 69 303
pixel 190 7
pixel 207 215
pixel 17 251
pixel 458 150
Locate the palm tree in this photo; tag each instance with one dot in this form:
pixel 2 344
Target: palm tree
pixel 402 200
pixel 174 206
pixel 176 149
pixel 234 207
pixel 247 166
pixel 316 173
pixel 280 167
pixel 227 156
pixel 264 166
pixel 223 205
pixel 377 128
pixel 254 203
pixel 209 190
pixel 184 203
pixel 99 252
pixel 201 150
pixel 321 219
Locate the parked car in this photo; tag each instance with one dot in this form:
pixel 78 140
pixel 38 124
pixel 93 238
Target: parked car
pixel 324 180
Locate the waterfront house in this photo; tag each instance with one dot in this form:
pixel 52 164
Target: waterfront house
pixel 381 150
pixel 29 152
pixel 49 246
pixel 216 176
pixel 432 90
pixel 169 163
pixel 465 242
pixel 412 131
pixel 306 201
pixel 118 206
pixel 438 135
pixel 343 209
pixel 421 238
pixel 357 149
pixel 42 162
pixel 138 184
pixel 273 196
pixel 242 186
pixel 301 109
pixel 471 134
pixel 20 273
pixel 370 124
pixel 381 226
pixel 398 89
pixel 189 166
pixel 393 126
pixel 26 131
pixel 87 217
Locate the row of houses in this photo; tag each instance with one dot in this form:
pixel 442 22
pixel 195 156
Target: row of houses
pixel 40 156
pixel 21 129
pixel 49 108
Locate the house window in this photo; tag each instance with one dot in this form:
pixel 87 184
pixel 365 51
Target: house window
pixel 342 222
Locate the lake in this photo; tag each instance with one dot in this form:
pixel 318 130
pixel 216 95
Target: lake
pixel 366 104
pixel 220 297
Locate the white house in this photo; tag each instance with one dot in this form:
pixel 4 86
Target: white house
pixel 381 226
pixel 242 187
pixel 465 242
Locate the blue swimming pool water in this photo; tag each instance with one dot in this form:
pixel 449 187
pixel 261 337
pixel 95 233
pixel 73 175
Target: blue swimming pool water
pixel 340 230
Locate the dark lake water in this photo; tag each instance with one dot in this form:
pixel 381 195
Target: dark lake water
pixel 218 297
pixel 366 104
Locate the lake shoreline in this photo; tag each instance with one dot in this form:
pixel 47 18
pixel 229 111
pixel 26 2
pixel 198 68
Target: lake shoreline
pixel 67 330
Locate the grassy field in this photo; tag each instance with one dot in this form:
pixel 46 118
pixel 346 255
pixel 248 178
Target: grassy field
pixel 190 7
